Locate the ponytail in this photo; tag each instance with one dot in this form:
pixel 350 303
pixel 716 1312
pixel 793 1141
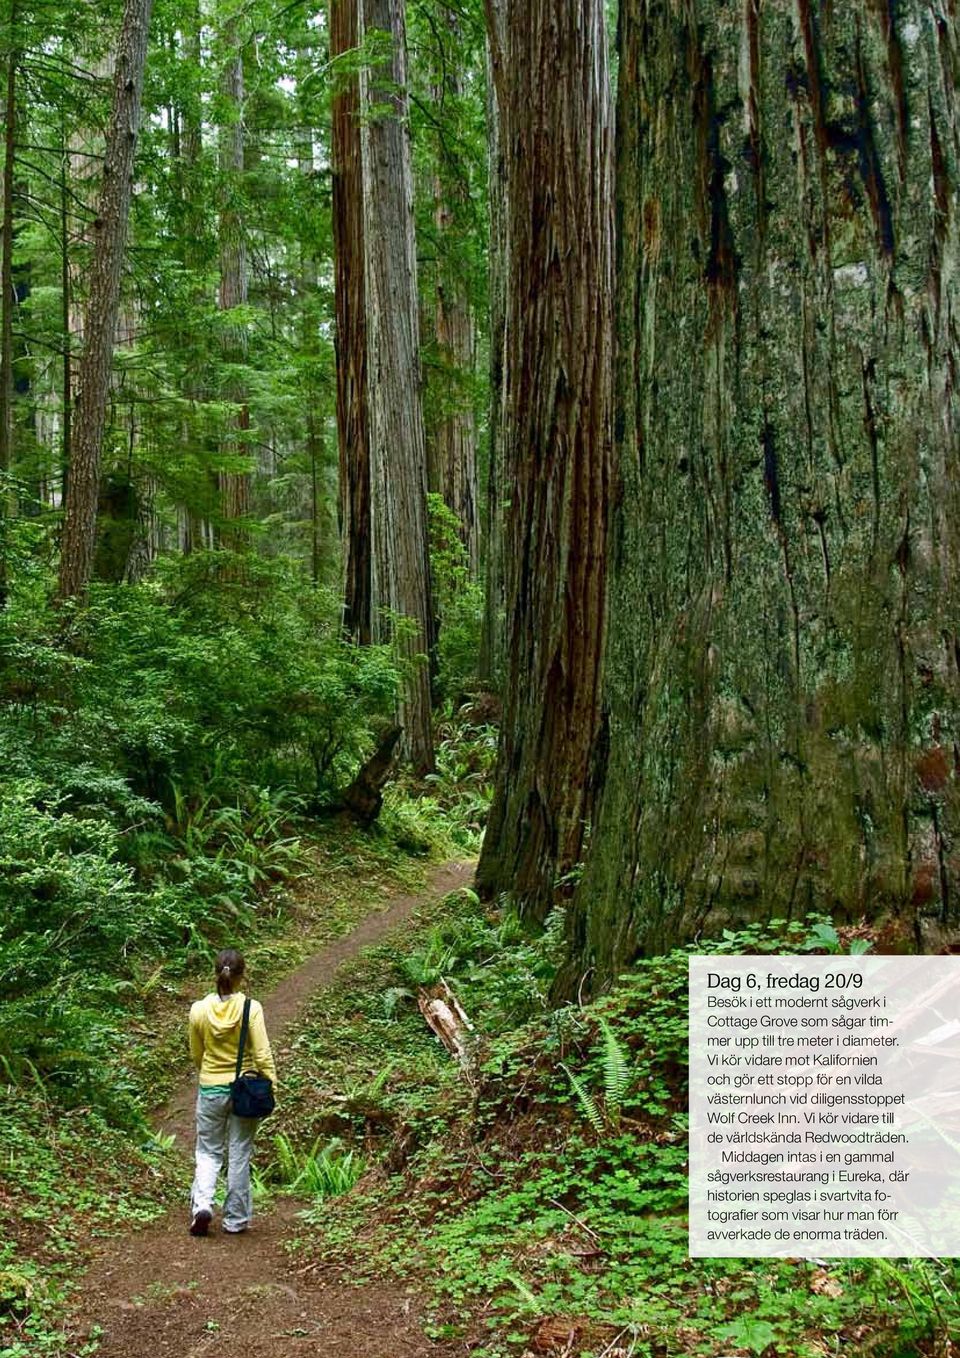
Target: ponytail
pixel 229 970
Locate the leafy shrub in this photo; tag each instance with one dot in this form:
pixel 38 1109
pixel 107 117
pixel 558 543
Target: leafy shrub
pixel 557 1191
pixel 160 744
pixel 458 602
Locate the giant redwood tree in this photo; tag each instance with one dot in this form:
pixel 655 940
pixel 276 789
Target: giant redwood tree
pixel 784 645
pixel 400 566
pixel 100 322
pixel 549 65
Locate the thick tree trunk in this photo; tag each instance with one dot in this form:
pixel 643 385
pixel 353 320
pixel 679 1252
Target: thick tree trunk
pixel 556 437
pixel 398 474
pixel 785 642
pixel 234 482
pixel 491 637
pixel 351 330
pixel 96 363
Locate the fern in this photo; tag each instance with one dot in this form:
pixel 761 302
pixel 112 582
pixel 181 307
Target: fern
pixel 617 1073
pixel 329 1171
pixel 392 998
pixel 588 1103
pixel 323 1172
pixel 288 1162
pixel 378 1085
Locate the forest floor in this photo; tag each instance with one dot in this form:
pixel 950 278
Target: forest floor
pixel 160 1291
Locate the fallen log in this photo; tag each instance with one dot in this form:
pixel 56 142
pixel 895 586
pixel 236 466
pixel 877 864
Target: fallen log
pixel 445 1016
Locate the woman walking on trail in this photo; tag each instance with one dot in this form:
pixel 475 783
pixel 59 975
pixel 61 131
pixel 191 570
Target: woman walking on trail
pixel 215 1024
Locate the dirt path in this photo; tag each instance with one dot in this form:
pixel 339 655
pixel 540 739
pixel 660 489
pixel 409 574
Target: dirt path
pixel 161 1292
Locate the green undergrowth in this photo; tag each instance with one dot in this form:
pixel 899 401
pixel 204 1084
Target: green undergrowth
pixel 345 872
pixel 165 749
pixel 542 1201
pixel 172 755
pixel 66 1177
pixel 67 1163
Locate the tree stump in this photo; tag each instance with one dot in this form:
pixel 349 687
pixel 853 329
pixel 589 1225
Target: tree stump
pixel 363 799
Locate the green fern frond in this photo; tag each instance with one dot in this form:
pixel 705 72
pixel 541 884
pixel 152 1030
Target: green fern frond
pixel 617 1072
pixel 377 1085
pixel 587 1102
pixel 392 998
pixel 287 1159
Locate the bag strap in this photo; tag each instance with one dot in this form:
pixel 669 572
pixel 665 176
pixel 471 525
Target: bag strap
pixel 244 1027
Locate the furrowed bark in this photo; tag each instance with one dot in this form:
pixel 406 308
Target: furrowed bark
pixel 556 437
pixel 398 475
pixel 453 459
pixel 785 644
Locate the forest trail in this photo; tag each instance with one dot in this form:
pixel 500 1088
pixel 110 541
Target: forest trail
pixel 161 1291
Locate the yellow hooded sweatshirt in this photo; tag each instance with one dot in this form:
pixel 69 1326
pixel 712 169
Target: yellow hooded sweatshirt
pixel 215 1038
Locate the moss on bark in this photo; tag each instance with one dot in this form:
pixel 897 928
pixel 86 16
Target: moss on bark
pixel 784 645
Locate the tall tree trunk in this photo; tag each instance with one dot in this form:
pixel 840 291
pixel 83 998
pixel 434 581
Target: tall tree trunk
pixel 491 637
pixel 452 445
pixel 556 437
pixel 785 647
pixel 7 298
pixel 96 363
pixel 188 150
pixel 234 484
pixel 6 260
pixel 351 329
pixel 309 336
pixel 453 448
pixel 398 474
pixel 66 306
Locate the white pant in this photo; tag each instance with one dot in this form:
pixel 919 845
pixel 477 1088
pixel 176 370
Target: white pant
pixel 219 1131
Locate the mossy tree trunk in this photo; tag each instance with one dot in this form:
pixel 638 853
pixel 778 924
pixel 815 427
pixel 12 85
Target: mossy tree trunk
pixel 785 637
pixel 549 65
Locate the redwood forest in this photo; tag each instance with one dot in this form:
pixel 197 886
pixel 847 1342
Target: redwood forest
pixel 479 527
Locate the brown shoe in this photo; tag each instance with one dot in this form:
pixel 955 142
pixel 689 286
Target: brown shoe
pixel 200 1225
